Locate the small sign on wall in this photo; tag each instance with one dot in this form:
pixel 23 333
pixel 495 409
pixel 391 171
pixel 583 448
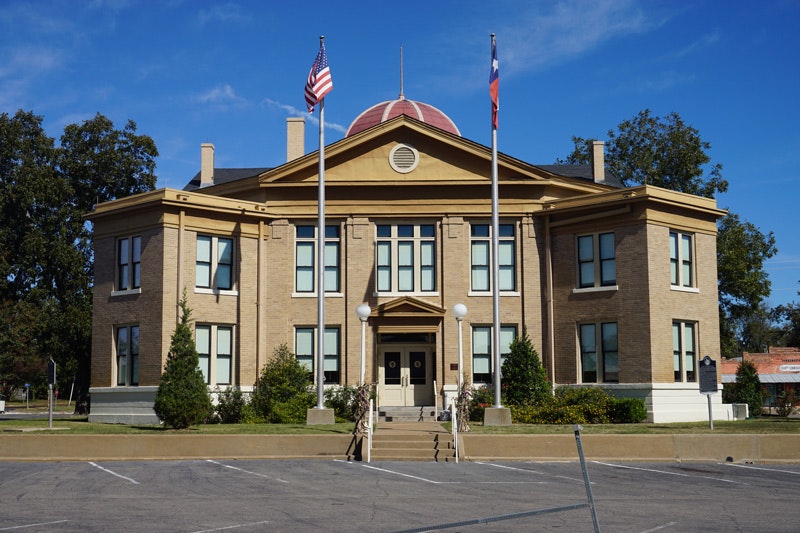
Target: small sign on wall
pixel 454 366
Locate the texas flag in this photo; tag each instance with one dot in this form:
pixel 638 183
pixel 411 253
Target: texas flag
pixel 494 84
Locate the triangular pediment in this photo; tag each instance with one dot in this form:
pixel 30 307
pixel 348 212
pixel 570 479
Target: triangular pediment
pixel 406 306
pixel 367 157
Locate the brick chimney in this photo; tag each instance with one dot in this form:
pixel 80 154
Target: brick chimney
pixel 295 138
pixel 206 164
pixel 598 161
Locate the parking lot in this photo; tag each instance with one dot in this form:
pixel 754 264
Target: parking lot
pixel 237 495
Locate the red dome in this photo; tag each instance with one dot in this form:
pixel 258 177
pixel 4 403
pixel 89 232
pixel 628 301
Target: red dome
pixel 384 111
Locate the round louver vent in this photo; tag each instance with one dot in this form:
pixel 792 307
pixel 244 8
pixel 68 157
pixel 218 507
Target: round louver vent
pixel 404 158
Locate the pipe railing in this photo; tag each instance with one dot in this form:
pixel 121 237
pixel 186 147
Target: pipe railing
pixel 454 416
pixel 369 432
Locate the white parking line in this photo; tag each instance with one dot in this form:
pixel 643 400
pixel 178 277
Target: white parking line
pixel 410 476
pixel 680 474
pixel 25 526
pixel 237 526
pixel 114 473
pixel 751 467
pixel 659 528
pixel 246 471
pixel 529 471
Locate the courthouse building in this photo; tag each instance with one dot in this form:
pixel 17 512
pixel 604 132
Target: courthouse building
pixel 616 287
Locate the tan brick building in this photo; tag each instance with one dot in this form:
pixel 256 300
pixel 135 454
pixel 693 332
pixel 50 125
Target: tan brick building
pixel 616 287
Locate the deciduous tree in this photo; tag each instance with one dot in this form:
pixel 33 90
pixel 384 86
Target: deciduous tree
pixel 46 257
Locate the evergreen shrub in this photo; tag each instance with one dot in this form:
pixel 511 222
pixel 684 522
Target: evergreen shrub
pixel 182 399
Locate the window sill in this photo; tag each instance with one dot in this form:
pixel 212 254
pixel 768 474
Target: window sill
pixel 610 288
pixel 434 294
pixel 678 288
pixel 217 292
pixel 127 292
pixel 490 293
pixel 314 295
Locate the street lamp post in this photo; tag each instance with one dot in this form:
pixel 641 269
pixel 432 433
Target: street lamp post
pixel 363 311
pixel 460 311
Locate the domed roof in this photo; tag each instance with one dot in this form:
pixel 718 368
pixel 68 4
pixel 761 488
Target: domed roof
pixel 384 111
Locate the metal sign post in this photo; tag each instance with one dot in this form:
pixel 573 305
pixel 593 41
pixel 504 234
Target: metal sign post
pixel 51 380
pixel 708 383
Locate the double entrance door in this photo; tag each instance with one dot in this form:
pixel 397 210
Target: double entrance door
pixel 405 375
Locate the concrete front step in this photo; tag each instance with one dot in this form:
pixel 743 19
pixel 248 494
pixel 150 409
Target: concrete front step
pixel 412 447
pixel 407 414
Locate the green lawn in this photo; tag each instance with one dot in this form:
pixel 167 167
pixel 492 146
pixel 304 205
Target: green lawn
pixel 80 425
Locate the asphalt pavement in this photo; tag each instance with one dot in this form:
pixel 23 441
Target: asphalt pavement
pixel 331 495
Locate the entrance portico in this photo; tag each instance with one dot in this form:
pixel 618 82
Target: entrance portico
pixel 408 339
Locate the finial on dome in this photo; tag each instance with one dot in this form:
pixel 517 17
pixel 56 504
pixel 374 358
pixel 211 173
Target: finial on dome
pixel 402 96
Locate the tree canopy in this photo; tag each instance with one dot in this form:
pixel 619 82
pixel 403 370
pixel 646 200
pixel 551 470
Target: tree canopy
pixel 46 258
pixel 743 283
pixel 650 150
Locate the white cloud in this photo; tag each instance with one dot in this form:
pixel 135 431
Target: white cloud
pixel 228 12
pixel 27 62
pixel 220 95
pixel 291 111
pixel 705 41
pixel 568 30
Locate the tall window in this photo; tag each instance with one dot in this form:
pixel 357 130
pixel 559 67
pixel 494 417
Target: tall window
pixel 680 259
pixel 482 360
pixel 305 253
pixel 599 353
pixel 481 257
pixel 406 257
pixel 214 267
pixel 215 347
pixel 129 257
pixel 128 355
pixel 684 355
pixel 305 344
pixel 596 260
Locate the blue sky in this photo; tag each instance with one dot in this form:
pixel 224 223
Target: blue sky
pixel 230 72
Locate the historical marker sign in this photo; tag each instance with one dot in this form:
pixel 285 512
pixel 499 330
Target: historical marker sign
pixel 708 376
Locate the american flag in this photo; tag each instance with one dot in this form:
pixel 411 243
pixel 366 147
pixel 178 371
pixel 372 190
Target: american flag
pixel 494 84
pixel 319 80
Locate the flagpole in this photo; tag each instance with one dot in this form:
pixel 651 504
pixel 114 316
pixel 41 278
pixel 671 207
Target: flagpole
pixel 495 266
pixel 321 256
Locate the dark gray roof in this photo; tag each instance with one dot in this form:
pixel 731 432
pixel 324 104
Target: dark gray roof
pixel 226 175
pixel 581 172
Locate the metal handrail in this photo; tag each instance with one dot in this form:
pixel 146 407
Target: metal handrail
pixel 369 432
pixel 454 418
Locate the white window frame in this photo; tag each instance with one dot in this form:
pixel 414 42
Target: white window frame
pixel 305 253
pixel 681 261
pixel 595 271
pixel 129 265
pixel 215 345
pixel 596 339
pixel 127 341
pixel 305 349
pixel 215 264
pixel 481 339
pixel 480 253
pixel 405 262
pixel 684 351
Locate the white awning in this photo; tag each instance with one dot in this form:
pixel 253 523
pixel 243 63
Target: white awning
pixel 766 378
